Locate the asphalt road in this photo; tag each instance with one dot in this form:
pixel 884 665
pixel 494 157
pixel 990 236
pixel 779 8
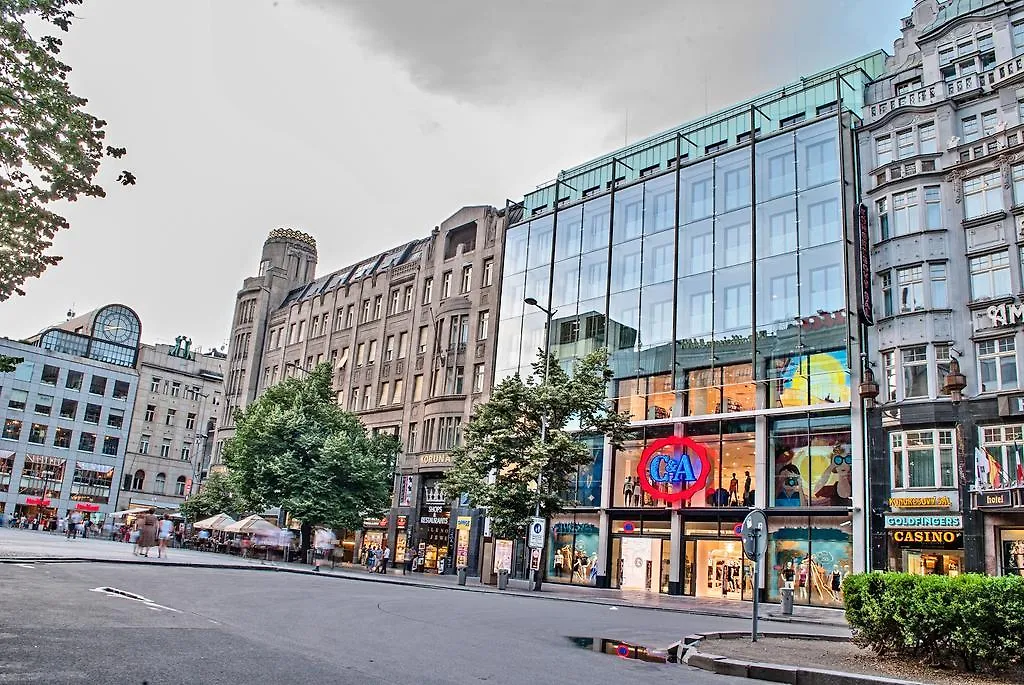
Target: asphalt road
pixel 216 626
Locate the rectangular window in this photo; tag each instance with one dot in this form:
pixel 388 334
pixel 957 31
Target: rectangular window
pixel 428 290
pixel 1018 182
pixel 905 143
pixel 937 281
pixel 382 397
pixel 983 195
pixel 932 207
pixel 915 371
pixel 906 213
pixel 446 285
pixel 969 127
pixel 910 287
pixel 997 364
pixel 403 344
pixel 782 233
pixel 169 420
pixel 165 449
pixel 175 389
pixel 823 222
pixel 150 412
pixel 989 121
pixel 887 300
pixel 121 390
pixel 478 378
pixel 349 315
pixel 1018 37
pixel 488 275
pixel 367 396
pixel 467 279
pixel 68 409
pixel 12 429
pixel 44 404
pixel 371 352
pixel 407 298
pixel 889 376
pixel 417 388
pixel 883 150
pixel 92 413
pixel 394 302
pixel 110 444
pixel 190 421
pixel 483 320
pixel 23 372
pixel 115 418
pixel 17 400
pixel 882 208
pixel 389 348
pixel 421 339
pixel 50 375
pixel 62 438
pixel 37 433
pixel 990 275
pixel 364 313
pixel 378 304
pixel 941 367
pixel 410 444
pixel 144 444
pixel 399 395
pixel 926 136
pixel 98 385
pixel 922 459
pixel 74 380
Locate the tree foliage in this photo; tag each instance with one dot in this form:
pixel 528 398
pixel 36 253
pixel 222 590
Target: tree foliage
pixel 296 448
pixel 217 496
pixel 9 364
pixel 50 146
pixel 503 451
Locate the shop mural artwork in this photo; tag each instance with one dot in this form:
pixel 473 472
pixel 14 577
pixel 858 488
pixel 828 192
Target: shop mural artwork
pixel 821 378
pixel 828 459
pixel 815 572
pixel 572 551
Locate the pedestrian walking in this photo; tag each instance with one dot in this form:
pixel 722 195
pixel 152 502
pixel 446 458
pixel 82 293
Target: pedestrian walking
pixel 147 531
pixel 410 556
pixel 86 526
pixel 385 558
pixel 166 530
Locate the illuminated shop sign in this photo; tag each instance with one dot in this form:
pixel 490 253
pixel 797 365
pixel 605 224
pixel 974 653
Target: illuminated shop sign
pixel 946 537
pixel 944 521
pixel 674 469
pixel 920 502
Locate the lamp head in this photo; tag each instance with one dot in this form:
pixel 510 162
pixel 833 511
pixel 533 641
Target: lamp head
pixel 532 301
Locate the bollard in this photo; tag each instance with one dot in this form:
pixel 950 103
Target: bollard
pixel 502 579
pixel 787 601
pixel 462 575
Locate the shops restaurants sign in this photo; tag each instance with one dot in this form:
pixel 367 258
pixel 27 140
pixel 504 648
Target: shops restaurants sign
pixel 674 469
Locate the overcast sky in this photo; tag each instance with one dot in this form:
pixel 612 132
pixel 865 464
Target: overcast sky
pixel 368 122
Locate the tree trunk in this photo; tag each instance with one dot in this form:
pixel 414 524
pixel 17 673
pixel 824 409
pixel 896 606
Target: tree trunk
pixel 305 539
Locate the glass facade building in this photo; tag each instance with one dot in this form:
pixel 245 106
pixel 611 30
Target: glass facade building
pixel 719 279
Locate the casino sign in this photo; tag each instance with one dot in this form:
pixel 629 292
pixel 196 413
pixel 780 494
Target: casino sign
pixel 674 469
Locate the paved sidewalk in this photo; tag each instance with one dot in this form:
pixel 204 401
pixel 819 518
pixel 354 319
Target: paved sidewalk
pixel 23 546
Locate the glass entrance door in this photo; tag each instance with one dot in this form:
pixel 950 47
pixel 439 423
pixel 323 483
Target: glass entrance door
pixel 720 570
pixel 641 563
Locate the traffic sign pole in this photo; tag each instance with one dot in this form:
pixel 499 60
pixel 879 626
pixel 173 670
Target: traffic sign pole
pixel 755 541
pixel 755 534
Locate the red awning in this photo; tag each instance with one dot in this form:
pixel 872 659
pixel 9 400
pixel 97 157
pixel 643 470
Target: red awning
pixel 85 506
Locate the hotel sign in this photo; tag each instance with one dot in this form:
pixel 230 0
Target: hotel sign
pixel 436 459
pixel 933 502
pixel 925 521
pixel 995 498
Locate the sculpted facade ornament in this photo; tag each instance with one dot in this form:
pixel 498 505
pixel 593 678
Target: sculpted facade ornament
pixel 956 177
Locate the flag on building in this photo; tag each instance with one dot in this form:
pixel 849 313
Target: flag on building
pixel 995 470
pixel 981 475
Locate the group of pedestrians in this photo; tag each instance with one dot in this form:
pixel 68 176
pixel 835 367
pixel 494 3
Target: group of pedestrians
pixel 150 531
pixel 377 558
pixel 73 525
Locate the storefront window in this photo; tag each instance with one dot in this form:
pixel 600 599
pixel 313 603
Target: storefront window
pixel 92 482
pixel 926 552
pixel 813 461
pixel 730 446
pixel 627 491
pixel 6 466
pixel 1011 545
pixel 42 476
pixel 572 549
pixel 812 554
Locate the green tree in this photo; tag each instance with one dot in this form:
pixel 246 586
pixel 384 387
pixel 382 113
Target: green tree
pixel 216 496
pixel 9 364
pixel 50 146
pixel 296 448
pixel 506 448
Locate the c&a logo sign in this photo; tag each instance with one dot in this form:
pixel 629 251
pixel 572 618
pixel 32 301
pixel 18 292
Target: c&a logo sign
pixel 674 469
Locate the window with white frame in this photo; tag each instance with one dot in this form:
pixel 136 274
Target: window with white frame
pixel 990 275
pixel 905 143
pixel 883 150
pixel 1018 183
pixel 887 301
pixel 922 459
pixel 927 137
pixel 888 376
pixel 989 122
pixel 910 287
pixel 983 194
pixel 937 284
pixel 941 367
pixel 1005 445
pixel 997 364
pixel 915 371
pixel 969 127
pixel 882 208
pixel 932 207
pixel 906 213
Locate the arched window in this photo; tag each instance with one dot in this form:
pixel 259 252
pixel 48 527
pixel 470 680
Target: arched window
pixel 179 487
pixel 161 480
pixel 139 480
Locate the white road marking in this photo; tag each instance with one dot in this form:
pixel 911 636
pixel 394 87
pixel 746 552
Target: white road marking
pixel 25 565
pixel 115 592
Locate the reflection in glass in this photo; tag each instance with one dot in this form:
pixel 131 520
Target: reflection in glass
pixel 541 234
pixel 629 214
pixel 659 204
pixel 569 233
pixel 596 215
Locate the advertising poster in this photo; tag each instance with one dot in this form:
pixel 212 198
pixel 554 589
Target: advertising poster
pixel 502 555
pixel 462 526
pixel 821 378
pixel 819 557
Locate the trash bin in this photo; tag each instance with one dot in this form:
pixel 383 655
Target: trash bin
pixel 502 579
pixel 462 575
pixel 787 601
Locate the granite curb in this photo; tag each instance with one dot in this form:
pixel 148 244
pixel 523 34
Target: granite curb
pixel 776 673
pixel 401 580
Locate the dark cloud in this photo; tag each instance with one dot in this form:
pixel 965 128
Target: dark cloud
pixel 667 60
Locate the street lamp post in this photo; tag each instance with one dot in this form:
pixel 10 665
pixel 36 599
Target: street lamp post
pixel 42 500
pixel 539 573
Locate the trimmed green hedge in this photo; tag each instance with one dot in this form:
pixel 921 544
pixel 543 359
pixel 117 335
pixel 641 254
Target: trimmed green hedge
pixel 971 621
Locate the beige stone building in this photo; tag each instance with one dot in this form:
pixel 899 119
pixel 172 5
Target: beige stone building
pixel 179 396
pixel 409 333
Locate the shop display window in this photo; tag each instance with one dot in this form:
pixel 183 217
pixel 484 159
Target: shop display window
pixel 6 466
pixel 730 446
pixel 1011 547
pixel 812 460
pixel 572 549
pixel 42 473
pixel 812 555
pixel 720 390
pixel 640 563
pixel 585 487
pixel 92 482
pixel 627 491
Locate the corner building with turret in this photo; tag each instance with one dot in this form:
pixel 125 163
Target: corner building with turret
pixel 409 335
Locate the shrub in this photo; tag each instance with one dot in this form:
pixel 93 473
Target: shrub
pixel 970 621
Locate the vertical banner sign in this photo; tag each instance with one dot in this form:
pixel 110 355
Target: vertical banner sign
pixel 535 559
pixel 462 526
pixel 863 252
pixel 188 487
pixel 502 555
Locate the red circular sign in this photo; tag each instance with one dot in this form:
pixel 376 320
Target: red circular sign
pixel 682 448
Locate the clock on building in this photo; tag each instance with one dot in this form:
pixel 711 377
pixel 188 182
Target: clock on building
pixel 114 325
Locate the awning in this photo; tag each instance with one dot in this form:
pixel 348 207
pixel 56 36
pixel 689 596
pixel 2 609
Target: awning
pixel 255 524
pixel 153 503
pixel 129 512
pixel 218 522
